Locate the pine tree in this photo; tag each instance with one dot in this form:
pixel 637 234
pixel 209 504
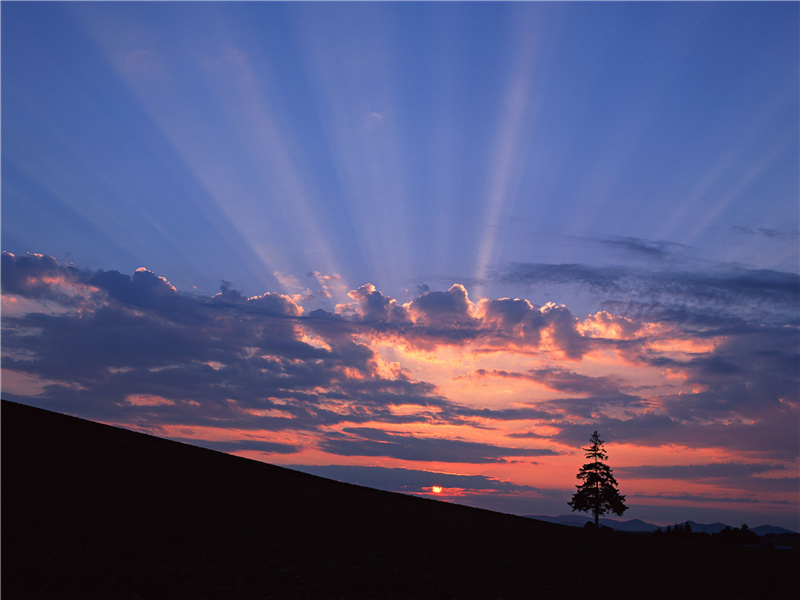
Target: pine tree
pixel 598 493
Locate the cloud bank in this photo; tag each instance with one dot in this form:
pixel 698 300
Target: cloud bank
pixel 495 388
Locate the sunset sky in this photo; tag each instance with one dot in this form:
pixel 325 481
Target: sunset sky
pixel 425 247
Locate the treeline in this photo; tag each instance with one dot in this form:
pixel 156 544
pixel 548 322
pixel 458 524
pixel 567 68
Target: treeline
pixel 740 536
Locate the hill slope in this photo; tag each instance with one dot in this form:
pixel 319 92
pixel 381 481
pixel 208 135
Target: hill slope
pixel 93 511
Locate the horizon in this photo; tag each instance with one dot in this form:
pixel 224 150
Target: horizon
pixel 554 518
pixel 424 247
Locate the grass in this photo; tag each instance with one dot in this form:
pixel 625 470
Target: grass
pixel 91 511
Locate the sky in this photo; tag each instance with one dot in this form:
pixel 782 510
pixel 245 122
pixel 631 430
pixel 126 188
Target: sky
pixel 424 247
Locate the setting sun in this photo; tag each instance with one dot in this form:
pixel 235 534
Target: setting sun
pixel 436 489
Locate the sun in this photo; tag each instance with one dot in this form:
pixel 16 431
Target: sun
pixel 436 489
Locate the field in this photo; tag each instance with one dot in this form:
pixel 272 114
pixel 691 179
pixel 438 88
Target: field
pixel 91 511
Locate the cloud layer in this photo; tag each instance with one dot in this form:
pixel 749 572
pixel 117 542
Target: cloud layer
pixel 677 365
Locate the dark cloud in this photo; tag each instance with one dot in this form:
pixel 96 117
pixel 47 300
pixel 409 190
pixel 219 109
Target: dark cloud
pixel 734 290
pixel 530 435
pixel 648 429
pixel 704 472
pixel 601 279
pixel 519 320
pixel 521 413
pixel 564 380
pixel 652 249
pixel 450 309
pixel 142 288
pixel 366 441
pixel 563 329
pixel 774 437
pixel 374 307
pixel 768 232
pixel 39 277
pixel 753 371
pixel 411 480
pixel 242 445
pixel 710 498
pixel 576 410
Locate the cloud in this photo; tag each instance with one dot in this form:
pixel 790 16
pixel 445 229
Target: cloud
pixel 564 380
pixel 450 309
pixel 602 279
pixel 519 413
pixel 411 381
pixel 701 472
pixel 517 319
pixel 650 249
pixel 242 445
pixel 698 498
pixel 752 371
pixel 40 277
pixel 768 232
pixel 366 441
pixel 723 293
pixel 412 480
pixel 598 392
pixel 142 288
pixel 450 318
pixel 374 307
pixel 774 437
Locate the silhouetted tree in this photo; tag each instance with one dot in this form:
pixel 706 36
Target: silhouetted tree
pixel 743 535
pixel 598 493
pixel 680 530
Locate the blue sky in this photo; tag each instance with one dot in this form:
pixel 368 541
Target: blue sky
pixel 635 158
pixel 396 144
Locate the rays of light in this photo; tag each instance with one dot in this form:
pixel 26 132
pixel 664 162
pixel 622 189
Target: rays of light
pixel 213 110
pixel 356 100
pixel 723 185
pixel 518 106
pixel 267 147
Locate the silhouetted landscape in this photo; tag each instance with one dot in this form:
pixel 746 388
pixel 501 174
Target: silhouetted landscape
pixel 636 525
pixel 92 511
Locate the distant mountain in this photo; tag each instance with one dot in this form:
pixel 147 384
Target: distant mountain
pixel 634 525
pixel 637 525
pixel 706 528
pixel 770 529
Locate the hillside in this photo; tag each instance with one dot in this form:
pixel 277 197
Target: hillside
pixel 92 511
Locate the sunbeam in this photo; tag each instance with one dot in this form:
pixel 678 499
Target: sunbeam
pixel 240 158
pixel 437 241
pixel 356 96
pixel 508 155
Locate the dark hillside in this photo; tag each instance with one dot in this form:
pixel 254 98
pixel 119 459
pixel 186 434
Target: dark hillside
pixel 91 511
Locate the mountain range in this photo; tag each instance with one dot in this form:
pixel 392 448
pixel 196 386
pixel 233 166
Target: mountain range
pixel 636 525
